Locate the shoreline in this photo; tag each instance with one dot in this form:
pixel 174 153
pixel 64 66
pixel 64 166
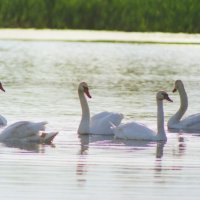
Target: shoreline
pixel 98 36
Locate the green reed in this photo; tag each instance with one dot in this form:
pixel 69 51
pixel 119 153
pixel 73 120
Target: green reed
pixel 126 15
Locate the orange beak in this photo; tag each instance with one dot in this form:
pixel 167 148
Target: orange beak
pixel 86 91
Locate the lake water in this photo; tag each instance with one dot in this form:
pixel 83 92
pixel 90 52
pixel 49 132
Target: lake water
pixel 41 79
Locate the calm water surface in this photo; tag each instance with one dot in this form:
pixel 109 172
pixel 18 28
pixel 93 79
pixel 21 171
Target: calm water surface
pixel 41 78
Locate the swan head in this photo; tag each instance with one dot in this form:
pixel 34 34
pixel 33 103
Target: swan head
pixel 178 84
pixel 83 87
pixel 161 95
pixel 1 87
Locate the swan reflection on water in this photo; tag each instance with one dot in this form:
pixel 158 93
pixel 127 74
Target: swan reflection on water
pixel 193 132
pixel 177 151
pixel 28 146
pixel 161 164
pixel 109 140
pixel 159 149
pixel 98 140
pixel 106 142
pixel 180 151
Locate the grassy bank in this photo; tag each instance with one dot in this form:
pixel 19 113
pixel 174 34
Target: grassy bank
pixel 126 15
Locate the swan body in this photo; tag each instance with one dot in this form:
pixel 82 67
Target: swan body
pixel 134 131
pixel 26 131
pixel 138 131
pixel 3 121
pixel 99 123
pixel 190 123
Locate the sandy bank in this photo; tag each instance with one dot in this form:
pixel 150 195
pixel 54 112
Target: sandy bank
pixel 87 35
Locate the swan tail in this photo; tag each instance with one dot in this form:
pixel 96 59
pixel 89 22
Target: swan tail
pixel 41 125
pixel 113 126
pixel 121 116
pixel 48 137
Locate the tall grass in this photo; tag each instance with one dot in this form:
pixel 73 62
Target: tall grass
pixel 126 15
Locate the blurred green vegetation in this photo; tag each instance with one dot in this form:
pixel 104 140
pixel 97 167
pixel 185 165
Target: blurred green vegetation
pixel 126 15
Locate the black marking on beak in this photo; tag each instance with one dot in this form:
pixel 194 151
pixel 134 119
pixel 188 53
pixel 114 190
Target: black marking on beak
pixel 167 98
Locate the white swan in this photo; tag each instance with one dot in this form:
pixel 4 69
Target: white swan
pixel 3 121
pixel 26 131
pixel 99 123
pixel 137 131
pixel 191 123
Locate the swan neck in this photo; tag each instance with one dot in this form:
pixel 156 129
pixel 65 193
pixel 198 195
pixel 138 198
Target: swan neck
pixel 160 119
pixel 183 106
pixel 85 117
pixel 184 102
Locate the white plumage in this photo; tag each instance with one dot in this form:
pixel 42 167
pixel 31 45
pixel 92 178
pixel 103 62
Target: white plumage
pixel 138 131
pixel 3 121
pixel 26 131
pixel 134 131
pixel 190 123
pixel 99 123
